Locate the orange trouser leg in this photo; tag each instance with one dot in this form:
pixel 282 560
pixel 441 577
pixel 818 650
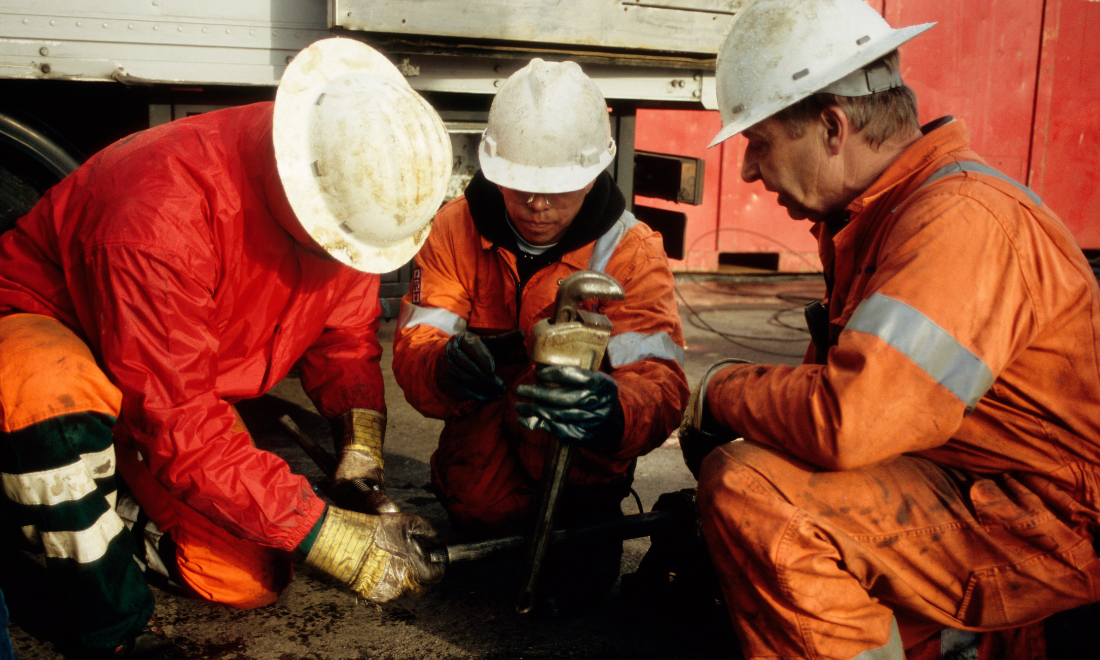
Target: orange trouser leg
pixel 480 480
pixel 815 564
pixel 213 564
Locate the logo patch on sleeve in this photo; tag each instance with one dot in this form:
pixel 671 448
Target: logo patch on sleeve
pixel 414 285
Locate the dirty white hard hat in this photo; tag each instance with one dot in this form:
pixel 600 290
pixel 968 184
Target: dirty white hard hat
pixel 548 130
pixel 778 52
pixel 364 160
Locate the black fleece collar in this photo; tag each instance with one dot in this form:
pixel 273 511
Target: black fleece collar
pixel 603 205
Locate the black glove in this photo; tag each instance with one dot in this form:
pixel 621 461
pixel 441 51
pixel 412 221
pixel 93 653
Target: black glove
pixel 465 370
pixel 577 405
pixel 506 349
pixel 699 432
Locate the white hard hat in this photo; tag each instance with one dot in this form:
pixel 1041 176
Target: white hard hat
pixel 548 130
pixel 778 52
pixel 364 160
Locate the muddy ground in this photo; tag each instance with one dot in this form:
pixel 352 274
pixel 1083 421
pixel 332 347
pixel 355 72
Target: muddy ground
pixel 471 613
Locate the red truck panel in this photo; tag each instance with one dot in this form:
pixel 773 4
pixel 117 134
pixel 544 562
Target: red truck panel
pixel 1023 76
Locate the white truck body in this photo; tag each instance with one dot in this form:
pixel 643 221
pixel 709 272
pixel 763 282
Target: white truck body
pixel 642 50
pixel 76 75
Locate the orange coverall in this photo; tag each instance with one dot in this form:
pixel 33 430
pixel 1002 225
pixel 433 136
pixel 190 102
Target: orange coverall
pixel 941 463
pixel 487 465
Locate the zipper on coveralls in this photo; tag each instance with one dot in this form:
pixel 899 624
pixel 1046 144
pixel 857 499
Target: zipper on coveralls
pixel 514 274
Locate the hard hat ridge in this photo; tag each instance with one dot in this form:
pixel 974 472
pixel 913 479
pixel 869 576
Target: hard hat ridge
pixel 548 130
pixel 364 160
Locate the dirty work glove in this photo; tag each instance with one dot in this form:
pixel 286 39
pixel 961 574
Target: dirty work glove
pixel 507 348
pixel 359 483
pixel 577 405
pixel 465 369
pixel 699 432
pixel 379 557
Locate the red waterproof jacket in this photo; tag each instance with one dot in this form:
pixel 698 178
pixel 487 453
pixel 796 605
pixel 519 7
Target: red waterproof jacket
pixel 167 253
pixel 464 280
pixel 964 327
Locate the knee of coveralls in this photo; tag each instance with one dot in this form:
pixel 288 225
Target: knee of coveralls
pixel 783 579
pixel 212 563
pixel 486 489
pixel 477 476
pixel 57 409
pixel 958 549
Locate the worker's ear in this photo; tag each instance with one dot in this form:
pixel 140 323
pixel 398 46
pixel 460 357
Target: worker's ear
pixel 837 129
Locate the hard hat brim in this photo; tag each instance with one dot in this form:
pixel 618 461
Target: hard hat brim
pixel 815 84
pixel 536 179
pixel 299 89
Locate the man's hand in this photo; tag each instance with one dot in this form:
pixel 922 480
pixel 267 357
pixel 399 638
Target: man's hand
pixel 465 370
pixel 575 404
pixel 359 482
pixel 378 557
pixel 699 433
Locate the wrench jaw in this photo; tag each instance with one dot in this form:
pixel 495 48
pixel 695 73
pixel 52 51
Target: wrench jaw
pixel 571 343
pixel 573 336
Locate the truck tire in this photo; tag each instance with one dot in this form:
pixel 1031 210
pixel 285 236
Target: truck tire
pixel 20 189
pixel 32 159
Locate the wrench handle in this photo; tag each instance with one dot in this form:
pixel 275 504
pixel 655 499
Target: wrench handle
pixel 553 482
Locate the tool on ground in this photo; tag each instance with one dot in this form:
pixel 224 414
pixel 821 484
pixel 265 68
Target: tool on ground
pixel 328 465
pixel 322 458
pixel 628 527
pixel 572 337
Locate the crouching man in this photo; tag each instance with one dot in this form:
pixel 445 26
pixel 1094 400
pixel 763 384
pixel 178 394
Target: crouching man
pixel 933 463
pixel 540 208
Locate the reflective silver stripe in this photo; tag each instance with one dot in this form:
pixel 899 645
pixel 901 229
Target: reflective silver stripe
pixel 892 650
pixel 607 243
pixel 971 166
pixel 64 484
pixel 448 322
pixel 85 546
pixel 635 346
pixel 935 351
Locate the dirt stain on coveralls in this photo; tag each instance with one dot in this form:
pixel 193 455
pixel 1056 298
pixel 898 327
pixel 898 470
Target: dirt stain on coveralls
pixel 904 509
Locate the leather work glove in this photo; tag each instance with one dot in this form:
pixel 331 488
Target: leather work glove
pixel 466 368
pixel 379 557
pixel 359 483
pixel 577 405
pixel 699 432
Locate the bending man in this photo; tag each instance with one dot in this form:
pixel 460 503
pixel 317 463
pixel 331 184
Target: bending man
pixel 179 271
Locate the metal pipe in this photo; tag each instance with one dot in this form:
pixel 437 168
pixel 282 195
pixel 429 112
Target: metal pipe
pixel 627 527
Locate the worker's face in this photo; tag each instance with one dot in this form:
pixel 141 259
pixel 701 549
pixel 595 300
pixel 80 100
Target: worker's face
pixel 542 218
pixel 798 170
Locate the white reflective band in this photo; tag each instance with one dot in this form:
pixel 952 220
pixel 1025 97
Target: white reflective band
pixel 448 322
pixel 935 351
pixel 971 166
pixel 64 484
pixel 84 546
pixel 101 463
pixel 892 650
pixel 605 246
pixel 635 346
